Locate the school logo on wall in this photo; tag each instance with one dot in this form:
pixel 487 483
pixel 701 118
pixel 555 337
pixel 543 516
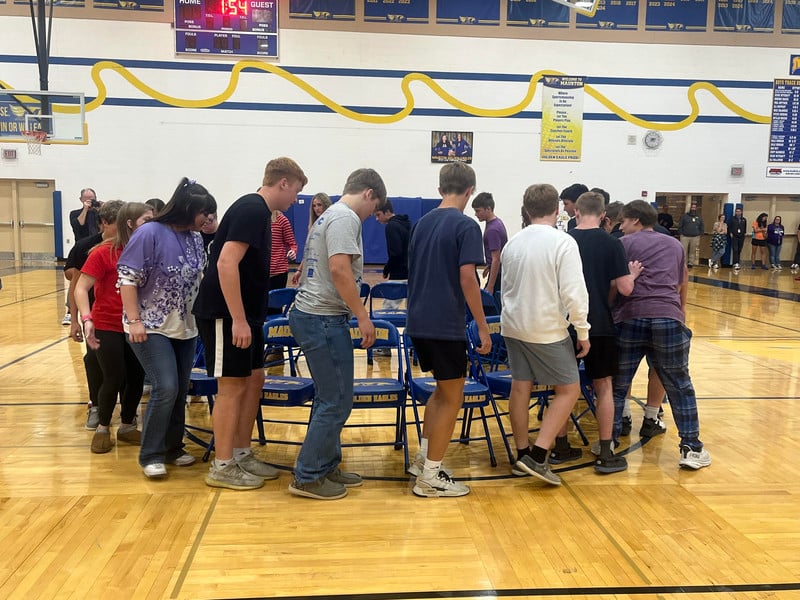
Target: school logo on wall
pixel 794 65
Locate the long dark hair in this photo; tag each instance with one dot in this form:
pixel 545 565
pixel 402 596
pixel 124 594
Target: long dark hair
pixel 189 200
pixel 762 220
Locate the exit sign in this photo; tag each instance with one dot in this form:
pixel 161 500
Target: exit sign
pixel 10 153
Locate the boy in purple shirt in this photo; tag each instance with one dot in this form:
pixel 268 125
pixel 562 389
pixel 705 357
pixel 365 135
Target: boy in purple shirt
pixel 494 238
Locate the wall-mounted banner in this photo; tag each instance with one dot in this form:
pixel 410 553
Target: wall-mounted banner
pixel 791 17
pixel 612 14
pixel 783 130
pixel 333 10
pixel 783 171
pixel 451 146
pixel 468 12
pixel 750 16
pixel 536 13
pixel 396 11
pixel 562 118
pixel 146 5
pixel 676 15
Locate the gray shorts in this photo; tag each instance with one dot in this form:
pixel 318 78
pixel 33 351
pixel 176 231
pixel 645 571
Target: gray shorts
pixel 546 364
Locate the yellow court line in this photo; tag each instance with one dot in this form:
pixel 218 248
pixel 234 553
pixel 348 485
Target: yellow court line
pixel 405 87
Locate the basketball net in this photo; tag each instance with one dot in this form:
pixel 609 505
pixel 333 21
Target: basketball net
pixel 34 139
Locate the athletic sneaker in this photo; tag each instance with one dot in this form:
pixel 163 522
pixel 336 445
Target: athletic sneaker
pixel 321 489
pixel 155 471
pixel 232 477
pixel 794 267
pixel 416 466
pixel 612 464
pixel 92 418
pixel 627 425
pixel 736 266
pixel 570 454
pixel 596 447
pixel 346 479
pixel 652 427
pixel 67 320
pixel 694 459
pixel 250 464
pixel 440 486
pixel 184 460
pixel 540 470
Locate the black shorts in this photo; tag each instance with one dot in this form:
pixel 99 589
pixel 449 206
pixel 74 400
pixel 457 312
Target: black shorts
pixel 603 358
pixel 447 359
pixel 223 359
pixel 758 243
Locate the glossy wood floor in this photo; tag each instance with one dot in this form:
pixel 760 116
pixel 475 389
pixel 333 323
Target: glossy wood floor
pixel 78 525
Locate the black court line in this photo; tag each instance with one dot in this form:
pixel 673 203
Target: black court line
pixel 32 297
pixel 42 349
pixel 750 289
pixel 552 592
pixel 196 545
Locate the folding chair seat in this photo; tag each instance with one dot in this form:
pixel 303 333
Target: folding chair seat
pixel 200 384
pixel 283 391
pixel 382 392
pixel 476 396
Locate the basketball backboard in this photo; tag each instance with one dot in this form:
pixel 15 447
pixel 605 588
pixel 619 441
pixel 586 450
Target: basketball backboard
pixel 61 115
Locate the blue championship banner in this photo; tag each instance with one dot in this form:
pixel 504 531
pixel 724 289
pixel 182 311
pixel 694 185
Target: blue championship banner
pixel 562 118
pixel 611 14
pixel 468 12
pixel 783 131
pixel 336 10
pixel 536 13
pixel 744 16
pixel 676 15
pixel 148 5
pixel 396 11
pixel 791 17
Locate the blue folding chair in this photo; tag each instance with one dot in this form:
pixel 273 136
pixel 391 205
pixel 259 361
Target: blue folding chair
pixel 476 396
pixel 389 290
pixel 363 292
pixel 280 390
pixel 200 384
pixel 382 392
pixel 491 307
pixel 281 299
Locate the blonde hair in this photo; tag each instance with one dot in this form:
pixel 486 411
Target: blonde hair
pixel 130 211
pixel 278 168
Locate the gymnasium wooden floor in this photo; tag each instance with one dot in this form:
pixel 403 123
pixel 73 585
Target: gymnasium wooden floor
pixel 78 525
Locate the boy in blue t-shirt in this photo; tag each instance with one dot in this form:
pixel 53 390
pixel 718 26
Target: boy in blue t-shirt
pixel 445 249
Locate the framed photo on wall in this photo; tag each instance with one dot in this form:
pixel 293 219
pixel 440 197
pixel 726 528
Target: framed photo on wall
pixel 451 146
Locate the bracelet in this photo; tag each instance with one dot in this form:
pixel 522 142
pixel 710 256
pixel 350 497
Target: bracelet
pixel 85 318
pixel 132 321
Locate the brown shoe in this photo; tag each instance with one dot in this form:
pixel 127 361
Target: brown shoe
pixel 131 436
pixel 101 442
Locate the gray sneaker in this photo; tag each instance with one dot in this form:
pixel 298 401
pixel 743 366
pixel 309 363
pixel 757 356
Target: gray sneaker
pixel 321 489
pixel 440 486
pixel 346 479
pixel 250 464
pixel 232 477
pixel 540 470
pixel 416 466
pixel 93 418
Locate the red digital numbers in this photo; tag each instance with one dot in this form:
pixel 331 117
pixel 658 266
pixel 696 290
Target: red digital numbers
pixel 233 8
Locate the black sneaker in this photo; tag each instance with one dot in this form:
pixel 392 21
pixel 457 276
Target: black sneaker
pixel 627 425
pixel 611 464
pixel 557 457
pixel 652 427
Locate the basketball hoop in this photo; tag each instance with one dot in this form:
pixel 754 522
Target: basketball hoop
pixel 34 139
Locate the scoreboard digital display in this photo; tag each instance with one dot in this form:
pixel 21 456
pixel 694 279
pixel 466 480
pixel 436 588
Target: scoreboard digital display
pixel 227 27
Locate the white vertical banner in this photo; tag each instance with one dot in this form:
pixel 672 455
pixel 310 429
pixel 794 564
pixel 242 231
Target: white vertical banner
pixel 562 118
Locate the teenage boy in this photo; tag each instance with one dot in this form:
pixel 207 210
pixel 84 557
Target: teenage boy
pixel 543 293
pixel 333 267
pixel 495 238
pixel 230 308
pixel 606 272
pixel 398 235
pixel 445 250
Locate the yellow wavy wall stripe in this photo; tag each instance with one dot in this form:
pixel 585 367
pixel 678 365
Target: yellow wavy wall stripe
pixel 405 87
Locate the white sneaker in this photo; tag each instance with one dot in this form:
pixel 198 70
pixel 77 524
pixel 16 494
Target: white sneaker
pixel 779 267
pixel 155 471
pixel 67 320
pixel 439 486
pixel 694 459
pixel 416 466
pixel 794 267
pixel 184 460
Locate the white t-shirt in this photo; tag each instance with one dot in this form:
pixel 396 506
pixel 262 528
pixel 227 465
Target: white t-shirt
pixel 336 231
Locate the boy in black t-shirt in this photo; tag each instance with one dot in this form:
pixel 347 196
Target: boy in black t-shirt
pixel 230 308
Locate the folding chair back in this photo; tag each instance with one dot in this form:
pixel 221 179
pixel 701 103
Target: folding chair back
pixel 389 290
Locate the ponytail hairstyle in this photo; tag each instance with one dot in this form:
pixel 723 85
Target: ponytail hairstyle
pixel 189 200
pixel 128 213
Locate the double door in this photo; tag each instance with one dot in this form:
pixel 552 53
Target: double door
pixel 27 226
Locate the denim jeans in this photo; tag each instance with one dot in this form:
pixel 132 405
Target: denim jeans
pixel 326 342
pixel 774 254
pixel 168 364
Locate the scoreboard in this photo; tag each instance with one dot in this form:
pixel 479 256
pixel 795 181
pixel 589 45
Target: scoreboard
pixel 227 27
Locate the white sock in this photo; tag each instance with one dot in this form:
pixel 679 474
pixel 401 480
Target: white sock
pixel 240 453
pixel 423 447
pixel 651 412
pixel 221 464
pixel 431 469
pixel 626 409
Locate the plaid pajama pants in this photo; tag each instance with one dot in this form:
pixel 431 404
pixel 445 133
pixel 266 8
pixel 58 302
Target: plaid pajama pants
pixel 665 343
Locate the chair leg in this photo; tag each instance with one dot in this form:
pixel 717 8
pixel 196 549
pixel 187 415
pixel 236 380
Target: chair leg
pixel 262 438
pixel 492 458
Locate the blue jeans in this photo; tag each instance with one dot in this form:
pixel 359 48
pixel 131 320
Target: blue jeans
pixel 326 342
pixel 774 254
pixel 168 364
pixel 666 344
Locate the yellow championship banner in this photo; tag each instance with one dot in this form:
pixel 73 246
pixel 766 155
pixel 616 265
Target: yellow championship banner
pixel 562 118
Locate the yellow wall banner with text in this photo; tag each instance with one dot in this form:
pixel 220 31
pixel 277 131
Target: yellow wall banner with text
pixel 562 118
